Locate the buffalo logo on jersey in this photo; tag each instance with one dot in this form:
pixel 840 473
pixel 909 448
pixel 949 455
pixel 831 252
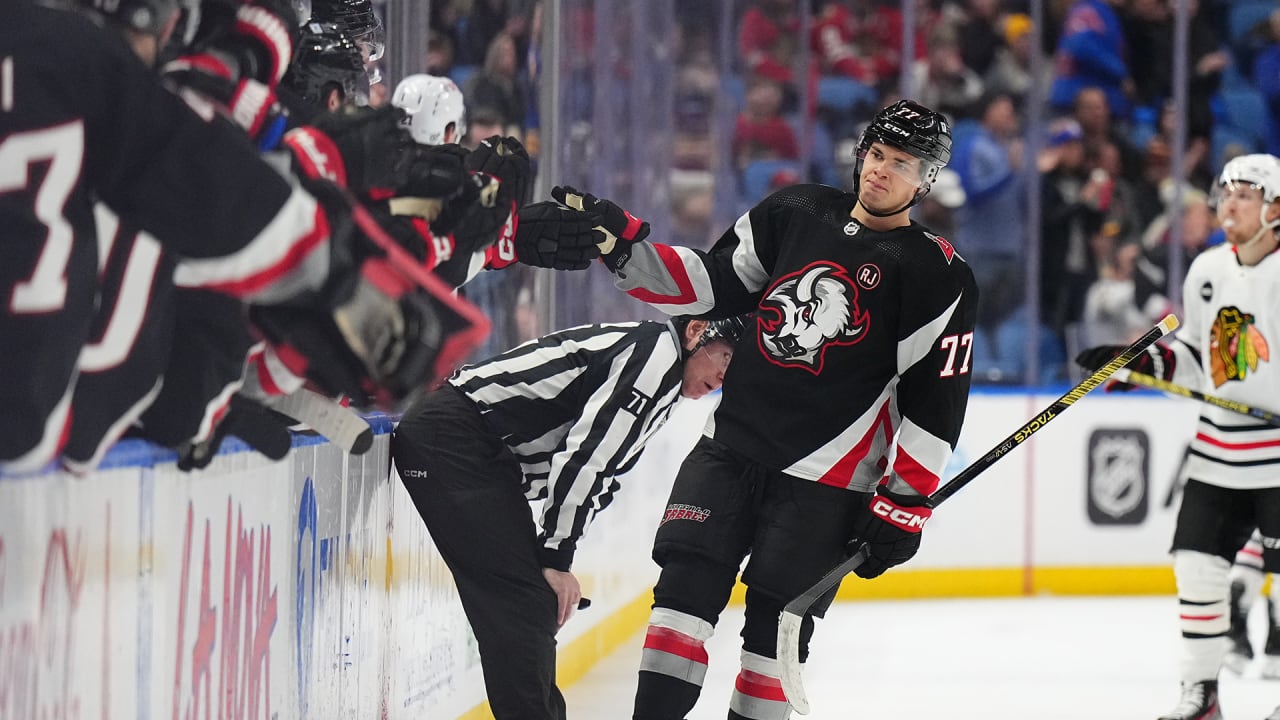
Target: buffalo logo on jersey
pixel 1235 346
pixel 806 312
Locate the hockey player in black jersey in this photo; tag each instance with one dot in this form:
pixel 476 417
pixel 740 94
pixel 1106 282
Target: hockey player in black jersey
pixel 839 413
pixel 557 419
pixel 82 120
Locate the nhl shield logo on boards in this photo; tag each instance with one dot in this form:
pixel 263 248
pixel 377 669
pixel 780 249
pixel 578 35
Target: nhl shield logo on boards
pixel 852 228
pixel 1119 472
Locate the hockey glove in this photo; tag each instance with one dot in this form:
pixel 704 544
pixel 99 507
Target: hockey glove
pixel 506 159
pixel 890 525
pixel 382 328
pixel 255 37
pixel 378 155
pixel 1157 361
pixel 550 235
pixel 257 426
pixel 621 229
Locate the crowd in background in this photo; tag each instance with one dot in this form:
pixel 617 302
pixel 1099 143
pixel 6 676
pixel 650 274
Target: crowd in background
pixel 805 76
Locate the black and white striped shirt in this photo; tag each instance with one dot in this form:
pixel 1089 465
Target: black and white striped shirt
pixel 576 408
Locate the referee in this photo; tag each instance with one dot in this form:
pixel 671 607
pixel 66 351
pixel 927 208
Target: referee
pixel 556 419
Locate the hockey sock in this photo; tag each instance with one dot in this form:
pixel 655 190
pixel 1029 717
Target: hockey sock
pixel 757 694
pixel 672 665
pixel 1204 613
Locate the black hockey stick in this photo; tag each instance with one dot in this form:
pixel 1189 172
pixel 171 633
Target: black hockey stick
pixel 1155 383
pixel 794 612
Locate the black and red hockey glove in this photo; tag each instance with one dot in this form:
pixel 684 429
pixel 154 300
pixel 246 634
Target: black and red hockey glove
pixel 1157 361
pixel 551 235
pixel 890 525
pixel 621 228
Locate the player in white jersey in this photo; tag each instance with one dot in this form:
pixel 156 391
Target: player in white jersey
pixel 1232 316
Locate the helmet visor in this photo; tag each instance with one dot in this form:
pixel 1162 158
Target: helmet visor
pixel 915 171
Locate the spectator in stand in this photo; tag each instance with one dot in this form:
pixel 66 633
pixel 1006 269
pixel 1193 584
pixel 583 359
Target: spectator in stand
pixel 1159 152
pixel 767 39
pixel 440 54
pixel 1149 29
pixel 1092 110
pixel 991 228
pixel 942 81
pixel 1091 53
pixel 1151 283
pixel 1010 71
pixel 885 34
pixel 1123 221
pixel 979 34
pixel 1246 47
pixel 487 20
pixel 1073 207
pixel 1111 316
pixel 497 86
pixel 482 122
pixel 761 133
pixel 837 32
pixel 1266 77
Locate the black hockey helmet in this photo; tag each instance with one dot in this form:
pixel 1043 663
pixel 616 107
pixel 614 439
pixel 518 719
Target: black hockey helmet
pixel 327 58
pixel 915 129
pixel 357 19
pixel 730 329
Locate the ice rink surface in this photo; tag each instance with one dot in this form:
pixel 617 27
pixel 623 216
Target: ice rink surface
pixel 1061 658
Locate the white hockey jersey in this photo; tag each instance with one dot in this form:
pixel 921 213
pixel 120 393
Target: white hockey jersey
pixel 1232 317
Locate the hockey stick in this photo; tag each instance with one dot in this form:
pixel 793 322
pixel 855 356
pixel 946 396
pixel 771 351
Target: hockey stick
pixel 340 425
pixel 794 612
pixel 1150 381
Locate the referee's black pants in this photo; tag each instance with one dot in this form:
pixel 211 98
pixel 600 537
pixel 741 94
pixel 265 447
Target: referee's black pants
pixel 466 486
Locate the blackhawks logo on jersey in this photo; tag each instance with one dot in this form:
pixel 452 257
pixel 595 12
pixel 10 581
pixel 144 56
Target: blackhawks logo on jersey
pixel 1235 346
pixel 806 312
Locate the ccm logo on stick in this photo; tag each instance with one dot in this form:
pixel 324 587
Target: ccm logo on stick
pixel 905 519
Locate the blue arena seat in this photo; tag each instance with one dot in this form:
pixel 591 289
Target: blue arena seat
pixel 1246 110
pixel 758 174
pixel 845 94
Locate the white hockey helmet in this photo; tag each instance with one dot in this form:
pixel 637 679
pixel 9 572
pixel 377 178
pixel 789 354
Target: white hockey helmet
pixel 432 103
pixel 1259 170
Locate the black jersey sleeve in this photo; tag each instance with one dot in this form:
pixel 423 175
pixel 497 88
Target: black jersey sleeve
pixel 730 278
pixel 935 350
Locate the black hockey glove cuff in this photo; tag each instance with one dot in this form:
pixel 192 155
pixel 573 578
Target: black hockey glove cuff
pixel 620 228
pixel 890 524
pixel 1157 361
pixel 550 235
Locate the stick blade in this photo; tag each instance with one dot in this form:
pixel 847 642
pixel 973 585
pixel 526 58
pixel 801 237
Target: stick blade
pixel 789 661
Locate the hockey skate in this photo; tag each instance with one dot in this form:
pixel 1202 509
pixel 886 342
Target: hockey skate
pixel 1199 702
pixel 1271 661
pixel 1241 652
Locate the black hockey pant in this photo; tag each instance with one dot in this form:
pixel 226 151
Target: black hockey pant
pixel 466 486
pixel 723 507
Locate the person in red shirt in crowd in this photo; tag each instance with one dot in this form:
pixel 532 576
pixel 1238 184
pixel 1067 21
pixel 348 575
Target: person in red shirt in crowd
pixel 838 39
pixel 761 133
